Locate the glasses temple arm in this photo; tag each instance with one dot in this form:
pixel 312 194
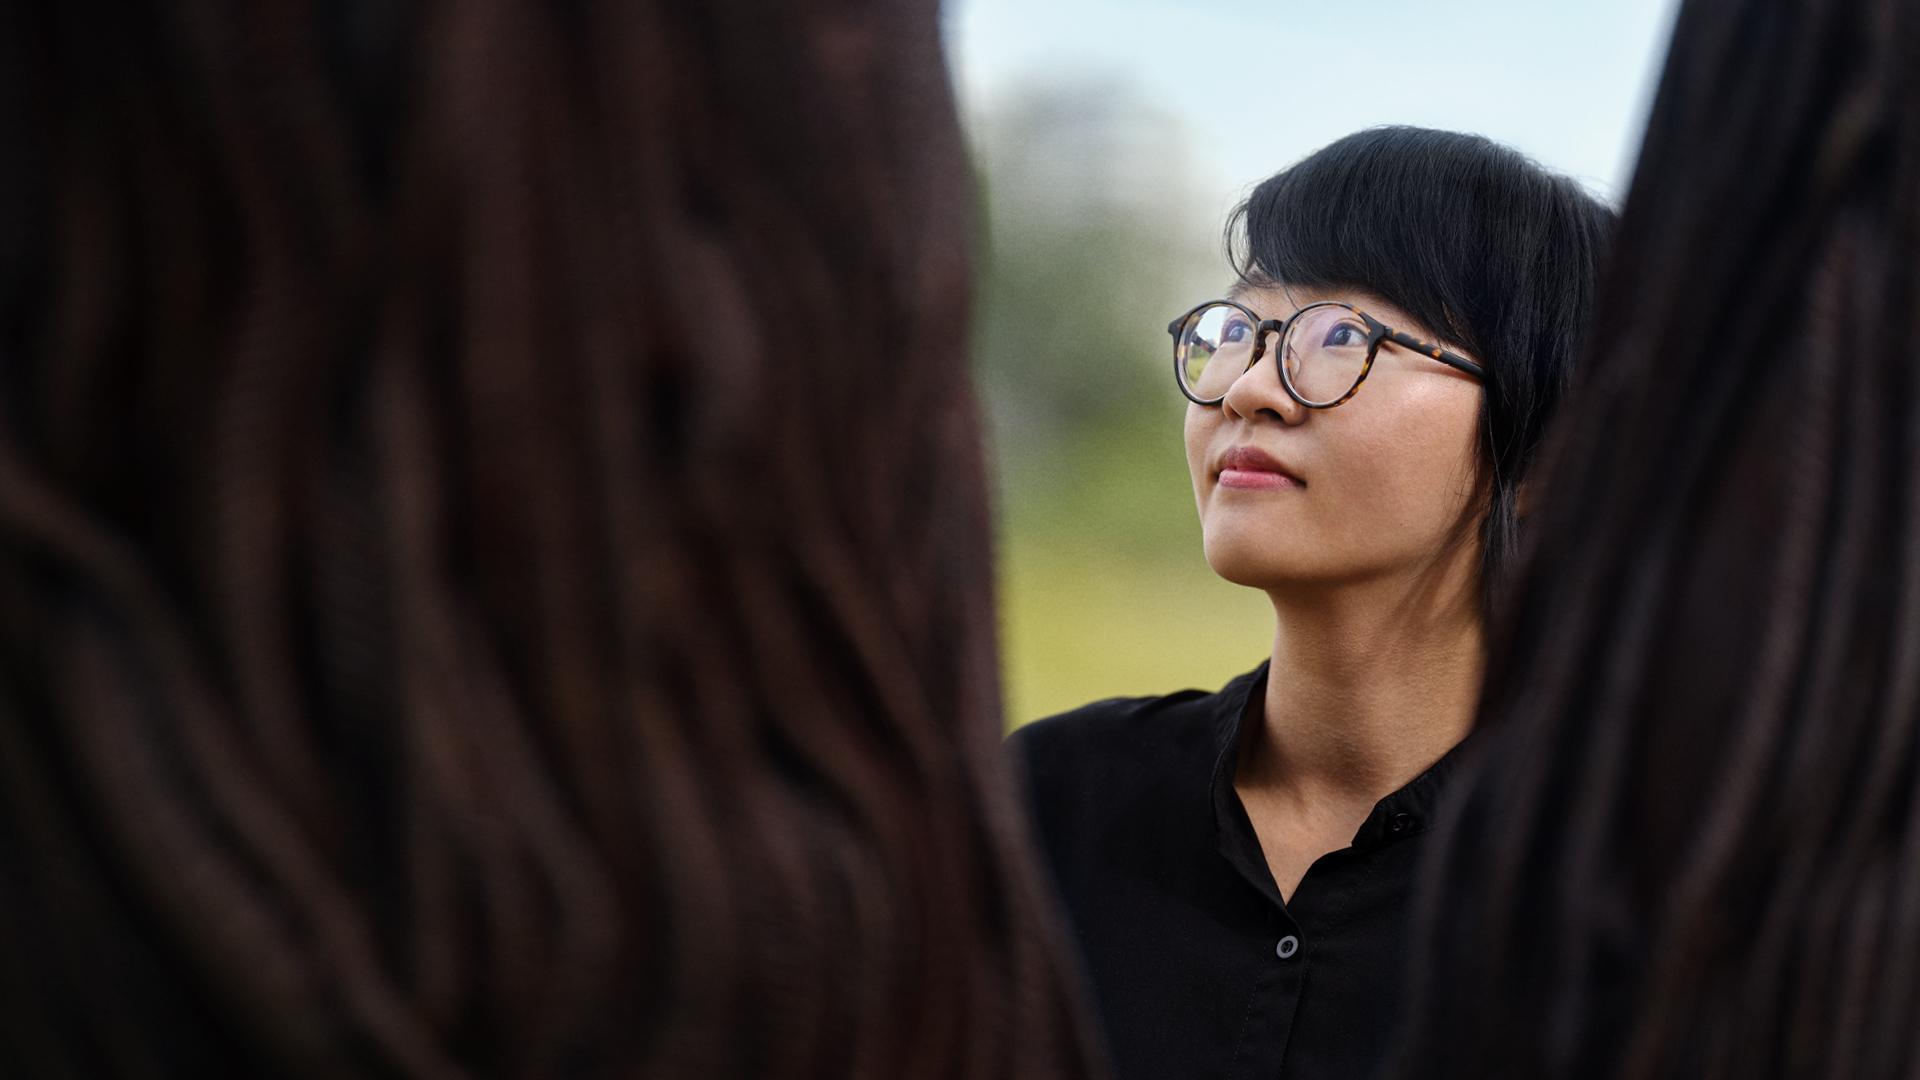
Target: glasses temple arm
pixel 1445 356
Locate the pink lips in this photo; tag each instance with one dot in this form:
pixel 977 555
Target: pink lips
pixel 1252 468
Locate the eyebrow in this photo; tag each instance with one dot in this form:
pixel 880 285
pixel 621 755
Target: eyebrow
pixel 1241 289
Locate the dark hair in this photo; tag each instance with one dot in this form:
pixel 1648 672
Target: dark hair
pixel 1489 250
pixel 1690 843
pixel 466 606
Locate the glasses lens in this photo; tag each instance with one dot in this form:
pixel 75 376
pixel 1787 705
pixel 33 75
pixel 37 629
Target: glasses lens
pixel 1214 346
pixel 1326 352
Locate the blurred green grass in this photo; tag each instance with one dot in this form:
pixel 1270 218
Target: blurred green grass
pixel 1076 628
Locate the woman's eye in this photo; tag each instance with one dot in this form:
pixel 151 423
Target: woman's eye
pixel 1345 335
pixel 1237 330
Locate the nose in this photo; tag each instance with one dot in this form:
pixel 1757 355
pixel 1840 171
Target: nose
pixel 1258 392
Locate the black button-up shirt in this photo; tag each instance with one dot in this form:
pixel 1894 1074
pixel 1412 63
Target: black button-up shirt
pixel 1199 969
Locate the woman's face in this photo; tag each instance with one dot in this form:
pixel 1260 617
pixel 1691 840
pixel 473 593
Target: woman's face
pixel 1373 487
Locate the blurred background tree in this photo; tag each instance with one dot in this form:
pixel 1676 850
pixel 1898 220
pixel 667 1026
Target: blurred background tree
pixel 1093 239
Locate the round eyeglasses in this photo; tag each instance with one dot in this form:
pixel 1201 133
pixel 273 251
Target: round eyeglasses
pixel 1327 350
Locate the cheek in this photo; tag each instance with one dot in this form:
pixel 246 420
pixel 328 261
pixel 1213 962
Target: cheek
pixel 1197 432
pixel 1414 473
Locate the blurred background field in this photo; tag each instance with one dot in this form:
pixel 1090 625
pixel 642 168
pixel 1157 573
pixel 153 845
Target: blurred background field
pixel 1110 139
pixel 1093 238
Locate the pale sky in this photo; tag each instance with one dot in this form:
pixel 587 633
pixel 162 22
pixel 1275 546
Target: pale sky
pixel 1260 84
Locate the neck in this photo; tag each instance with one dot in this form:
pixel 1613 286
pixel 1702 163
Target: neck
pixel 1370 684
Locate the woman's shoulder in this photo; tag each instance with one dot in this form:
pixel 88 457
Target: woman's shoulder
pixel 1122 736
pixel 1109 720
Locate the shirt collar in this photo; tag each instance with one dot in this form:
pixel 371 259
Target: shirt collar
pixel 1409 811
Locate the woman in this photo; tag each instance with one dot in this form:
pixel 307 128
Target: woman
pixel 467 604
pixel 1692 845
pixel 1363 409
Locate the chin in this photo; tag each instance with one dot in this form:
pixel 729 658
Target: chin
pixel 1282 557
pixel 1255 566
